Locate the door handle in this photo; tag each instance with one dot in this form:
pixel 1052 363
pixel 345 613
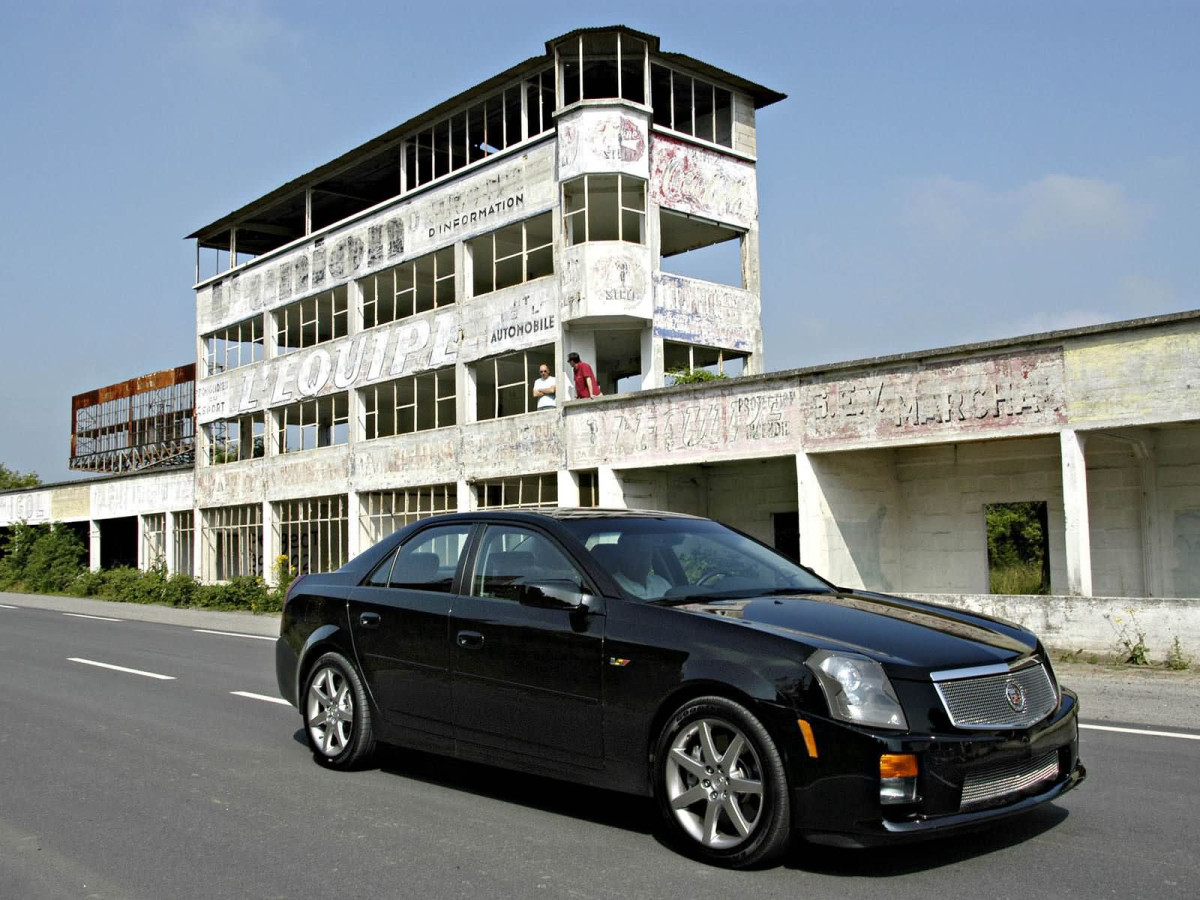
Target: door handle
pixel 470 640
pixel 369 620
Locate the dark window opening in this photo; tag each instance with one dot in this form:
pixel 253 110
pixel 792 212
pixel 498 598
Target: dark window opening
pixel 695 248
pixel 1018 542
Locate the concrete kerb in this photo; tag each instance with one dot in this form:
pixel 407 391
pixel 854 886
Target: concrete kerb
pixel 217 620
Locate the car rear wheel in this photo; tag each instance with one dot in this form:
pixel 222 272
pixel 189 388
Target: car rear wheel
pixel 721 784
pixel 337 720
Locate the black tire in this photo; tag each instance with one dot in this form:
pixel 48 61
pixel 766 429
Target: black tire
pixel 337 718
pixel 732 812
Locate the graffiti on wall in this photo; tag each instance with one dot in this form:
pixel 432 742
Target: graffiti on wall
pixel 746 421
pixel 703 182
pixel 595 140
pixel 599 280
pixel 379 355
pixel 33 508
pixel 1022 390
pixel 466 207
pixel 512 319
pixel 700 312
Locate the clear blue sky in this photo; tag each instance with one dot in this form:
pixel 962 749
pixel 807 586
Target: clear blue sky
pixel 941 172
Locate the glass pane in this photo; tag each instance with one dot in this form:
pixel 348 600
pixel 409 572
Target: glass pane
pixel 633 193
pixel 723 112
pixel 539 263
pixel 509 272
pixel 632 226
pixel 509 241
pixel 538 230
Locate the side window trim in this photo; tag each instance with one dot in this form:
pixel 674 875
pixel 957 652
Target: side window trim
pixel 468 572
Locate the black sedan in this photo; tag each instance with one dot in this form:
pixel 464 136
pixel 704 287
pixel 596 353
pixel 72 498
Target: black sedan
pixel 668 655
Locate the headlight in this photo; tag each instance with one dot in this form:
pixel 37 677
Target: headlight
pixel 857 689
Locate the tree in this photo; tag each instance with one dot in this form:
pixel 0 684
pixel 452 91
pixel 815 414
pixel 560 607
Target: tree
pixel 11 479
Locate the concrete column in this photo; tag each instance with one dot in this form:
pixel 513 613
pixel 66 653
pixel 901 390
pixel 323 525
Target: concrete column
pixel 1075 508
pixel 270 542
pixel 94 545
pixel 610 489
pixel 198 539
pixel 169 542
pixel 568 488
pixel 814 535
pixel 142 562
pixel 466 496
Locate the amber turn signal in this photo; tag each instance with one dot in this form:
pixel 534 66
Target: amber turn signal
pixel 897 765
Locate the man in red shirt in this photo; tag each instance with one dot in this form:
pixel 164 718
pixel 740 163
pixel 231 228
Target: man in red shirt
pixel 585 378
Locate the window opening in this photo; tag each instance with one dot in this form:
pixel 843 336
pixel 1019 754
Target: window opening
pixel 1018 540
pixel 504 384
pixel 416 403
pixel 235 346
pixel 154 539
pixel 509 557
pixel 691 106
pixel 386 512
pixel 604 208
pixel 184 543
pixel 311 321
pixel 589 488
pixel 696 248
pixel 413 287
pixel 522 492
pixel 513 255
pixel 427 562
pixel 232 440
pixel 313 533
pixel 234 541
pixel 682 360
pixel 323 422
pixel 601 66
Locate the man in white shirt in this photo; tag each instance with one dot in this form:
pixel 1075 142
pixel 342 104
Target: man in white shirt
pixel 634 574
pixel 544 388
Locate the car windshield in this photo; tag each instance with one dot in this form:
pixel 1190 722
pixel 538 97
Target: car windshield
pixel 680 560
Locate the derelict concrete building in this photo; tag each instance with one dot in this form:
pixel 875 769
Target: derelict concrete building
pixel 368 336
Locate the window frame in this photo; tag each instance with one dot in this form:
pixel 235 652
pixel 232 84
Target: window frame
pixel 371 414
pixel 298 415
pixel 570 216
pixel 476 245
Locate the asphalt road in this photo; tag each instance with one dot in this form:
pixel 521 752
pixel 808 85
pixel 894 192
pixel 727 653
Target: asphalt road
pixel 123 786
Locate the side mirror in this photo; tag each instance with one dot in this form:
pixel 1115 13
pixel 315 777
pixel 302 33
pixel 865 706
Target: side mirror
pixel 552 594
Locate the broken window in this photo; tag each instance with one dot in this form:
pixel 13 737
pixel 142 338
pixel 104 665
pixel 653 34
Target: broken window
pixel 323 422
pixel 682 360
pixel 416 403
pixel 601 66
pixel 388 511
pixel 604 208
pixel 413 287
pixel 1018 540
pixel 512 255
pixel 237 345
pixel 508 117
pixel 232 440
pixel 233 539
pixel 523 492
pixel 183 545
pixel 589 488
pixel 697 248
pixel 313 320
pixel 691 106
pixel 314 533
pixel 504 384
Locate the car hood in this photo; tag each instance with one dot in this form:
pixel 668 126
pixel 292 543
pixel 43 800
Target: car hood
pixel 910 638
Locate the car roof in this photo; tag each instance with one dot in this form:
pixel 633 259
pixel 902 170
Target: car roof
pixel 567 512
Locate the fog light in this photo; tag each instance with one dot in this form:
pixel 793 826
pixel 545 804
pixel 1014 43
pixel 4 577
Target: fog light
pixel 897 778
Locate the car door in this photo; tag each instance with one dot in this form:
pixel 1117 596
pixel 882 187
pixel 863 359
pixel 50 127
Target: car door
pixel 399 619
pixel 526 679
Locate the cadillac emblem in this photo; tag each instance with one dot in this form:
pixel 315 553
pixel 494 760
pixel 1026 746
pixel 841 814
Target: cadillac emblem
pixel 1015 695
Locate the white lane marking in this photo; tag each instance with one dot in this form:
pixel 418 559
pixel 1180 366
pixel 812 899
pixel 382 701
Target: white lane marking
pixel 257 637
pixel 97 618
pixel 6 606
pixel 92 662
pixel 1143 731
pixel 260 697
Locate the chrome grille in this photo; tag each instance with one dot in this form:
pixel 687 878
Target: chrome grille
pixel 1011 778
pixel 989 698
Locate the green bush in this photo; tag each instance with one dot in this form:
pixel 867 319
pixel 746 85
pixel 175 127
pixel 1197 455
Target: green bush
pixel 88 584
pixel 41 558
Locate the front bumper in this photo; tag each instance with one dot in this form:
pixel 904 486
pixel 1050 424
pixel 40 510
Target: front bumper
pixel 836 795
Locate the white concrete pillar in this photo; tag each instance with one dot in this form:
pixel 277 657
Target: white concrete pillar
pixel 270 542
pixel 610 489
pixel 142 562
pixel 467 500
pixel 1075 509
pixel 94 545
pixel 568 488
pixel 814 535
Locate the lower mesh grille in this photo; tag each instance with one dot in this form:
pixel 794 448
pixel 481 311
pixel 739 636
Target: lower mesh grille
pixel 998 782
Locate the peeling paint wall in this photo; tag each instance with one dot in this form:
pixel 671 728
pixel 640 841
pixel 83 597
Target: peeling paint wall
pixel 702 182
pixel 700 312
pixel 603 139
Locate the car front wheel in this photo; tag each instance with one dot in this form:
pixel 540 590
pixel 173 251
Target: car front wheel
pixel 337 720
pixel 721 784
